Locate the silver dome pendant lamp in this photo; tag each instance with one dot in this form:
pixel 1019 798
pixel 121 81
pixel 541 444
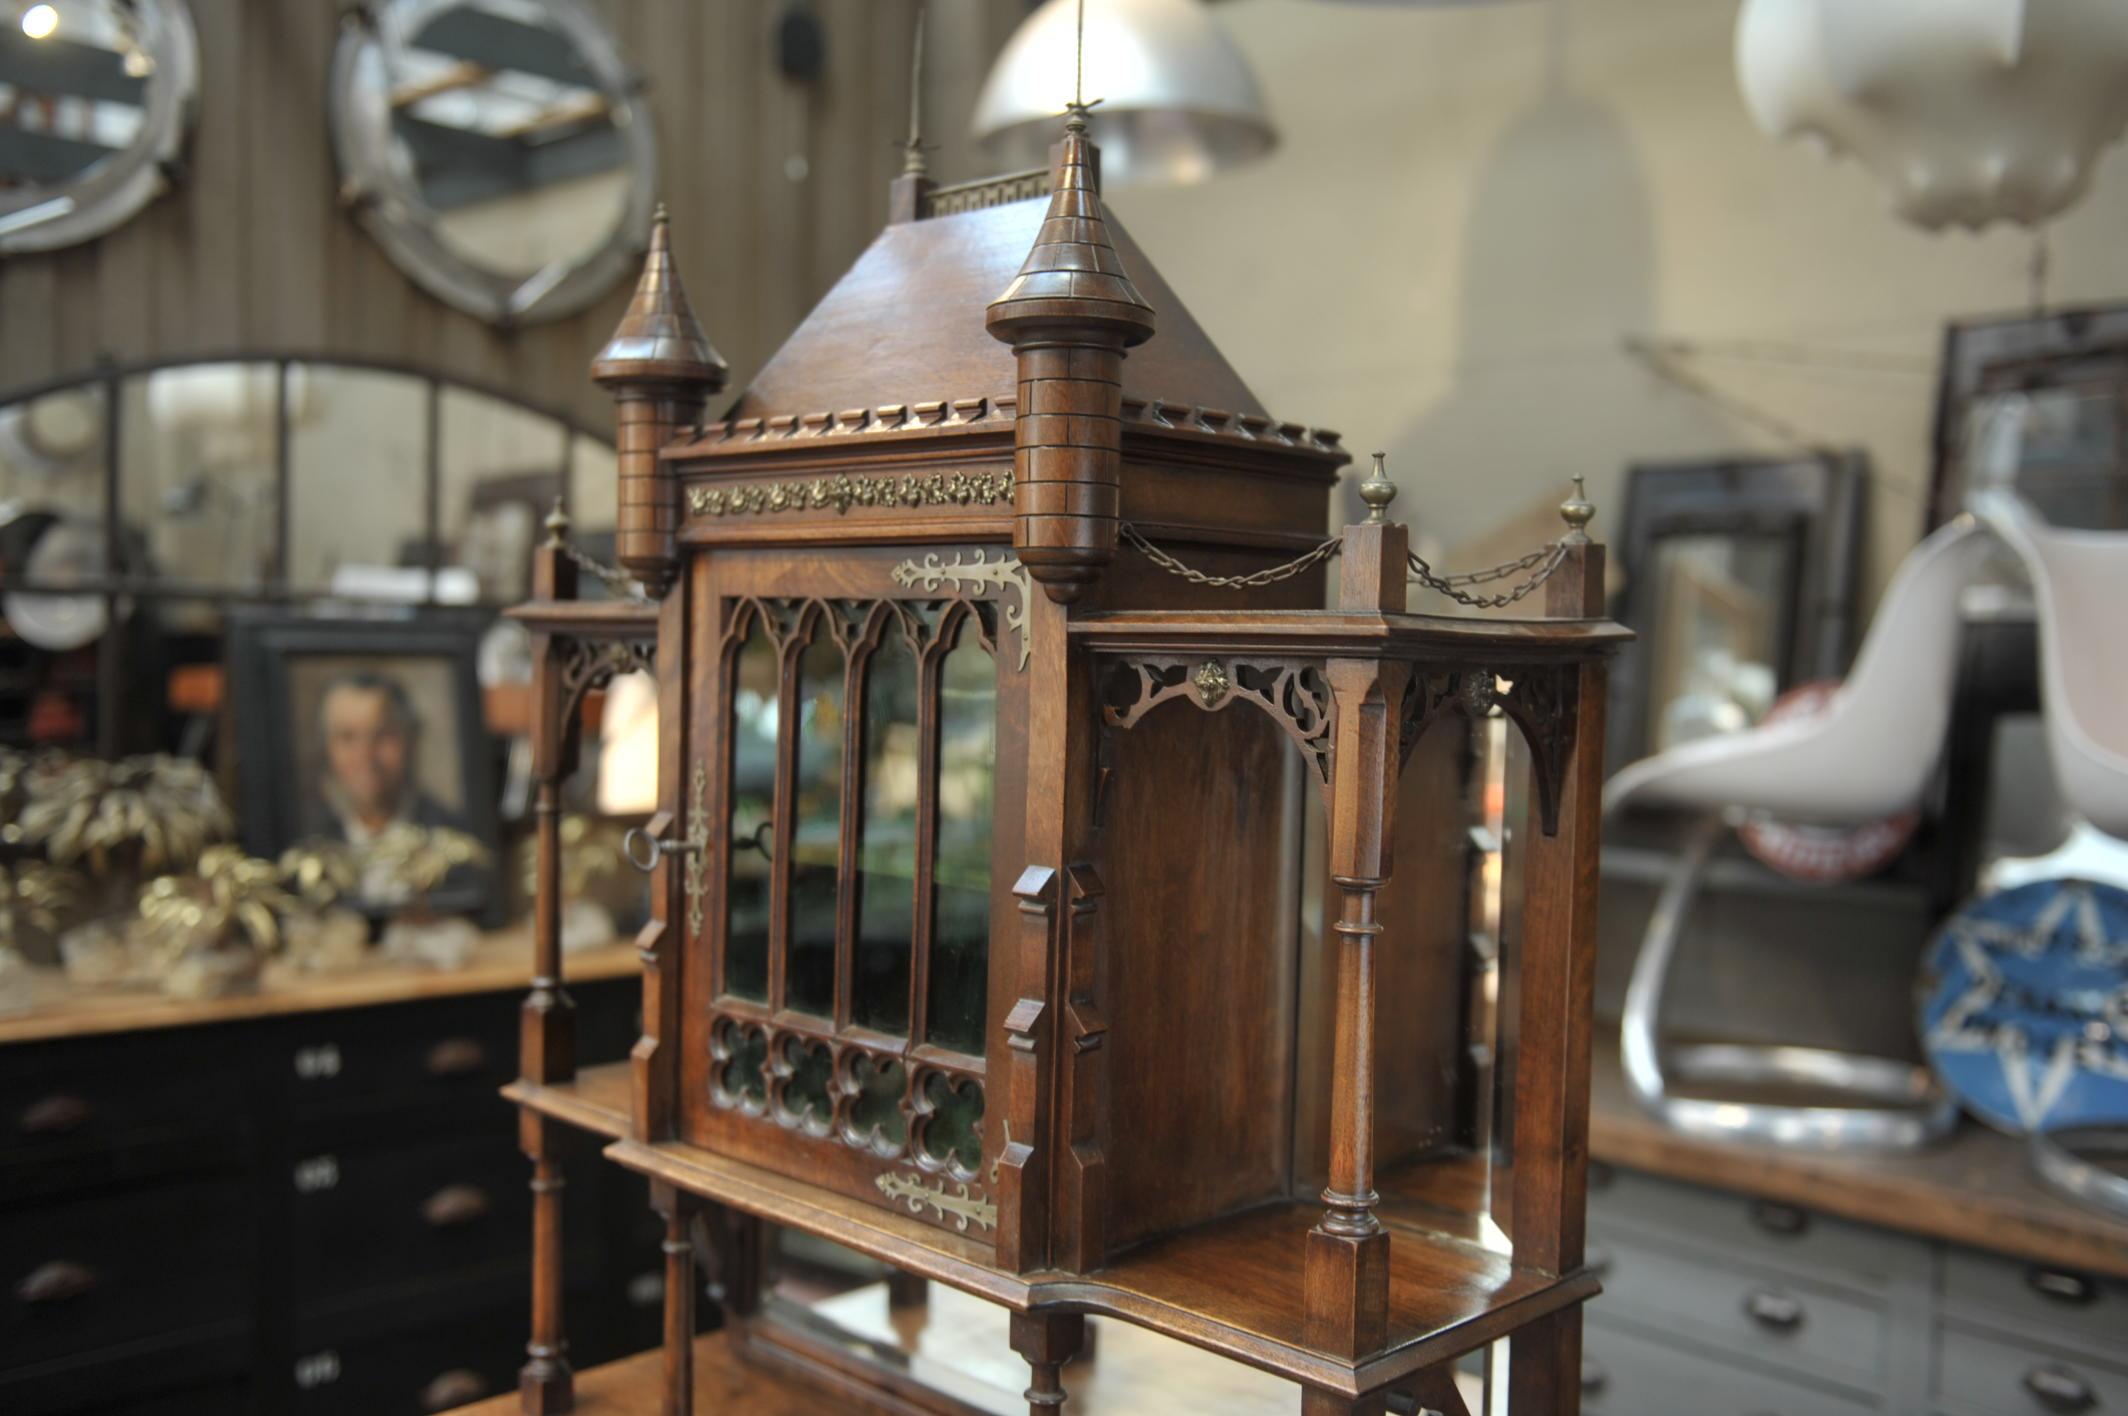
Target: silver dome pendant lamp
pixel 1178 101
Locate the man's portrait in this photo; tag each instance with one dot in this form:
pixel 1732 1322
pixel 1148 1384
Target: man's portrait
pixel 349 728
pixel 368 738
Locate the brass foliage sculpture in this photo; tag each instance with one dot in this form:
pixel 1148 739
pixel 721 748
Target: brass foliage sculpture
pixel 152 813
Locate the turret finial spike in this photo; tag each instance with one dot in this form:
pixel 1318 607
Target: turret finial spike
pixel 1377 491
pixel 1577 511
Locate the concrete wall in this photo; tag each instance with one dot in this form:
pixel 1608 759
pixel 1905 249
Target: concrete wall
pixel 1473 206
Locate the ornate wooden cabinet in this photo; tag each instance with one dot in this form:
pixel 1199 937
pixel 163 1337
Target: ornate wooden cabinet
pixel 997 708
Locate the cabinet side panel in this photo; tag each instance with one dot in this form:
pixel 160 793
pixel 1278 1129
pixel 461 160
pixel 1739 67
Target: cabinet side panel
pixel 1194 850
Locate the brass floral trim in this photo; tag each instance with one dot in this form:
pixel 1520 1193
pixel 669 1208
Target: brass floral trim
pixel 844 492
pixel 973 573
pixel 961 1207
pixel 697 845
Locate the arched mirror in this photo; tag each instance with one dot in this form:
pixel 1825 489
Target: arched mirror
pixel 96 100
pixel 499 150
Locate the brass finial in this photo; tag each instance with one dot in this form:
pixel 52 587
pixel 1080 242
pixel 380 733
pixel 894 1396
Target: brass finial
pixel 557 525
pixel 1378 491
pixel 659 216
pixel 1577 511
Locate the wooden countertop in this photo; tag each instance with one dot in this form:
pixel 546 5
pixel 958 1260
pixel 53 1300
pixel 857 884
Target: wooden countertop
pixel 502 960
pixel 1973 1189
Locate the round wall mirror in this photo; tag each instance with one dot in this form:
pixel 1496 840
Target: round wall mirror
pixel 96 100
pixel 499 150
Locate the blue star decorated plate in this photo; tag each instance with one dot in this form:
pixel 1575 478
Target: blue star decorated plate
pixel 2025 1009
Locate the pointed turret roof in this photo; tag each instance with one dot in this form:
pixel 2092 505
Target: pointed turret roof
pixel 659 337
pixel 1073 275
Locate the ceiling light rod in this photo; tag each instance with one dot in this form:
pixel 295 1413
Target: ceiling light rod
pixel 913 164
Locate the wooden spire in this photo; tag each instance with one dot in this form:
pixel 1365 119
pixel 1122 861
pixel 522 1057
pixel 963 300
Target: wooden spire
pixel 659 339
pixel 661 369
pixel 1073 277
pixel 1069 315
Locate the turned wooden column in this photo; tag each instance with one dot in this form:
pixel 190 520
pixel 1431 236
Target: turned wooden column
pixel 678 1209
pixel 661 369
pixel 545 1383
pixel 1554 1019
pixel 1069 315
pixel 1047 1341
pixel 547 1022
pixel 1346 1268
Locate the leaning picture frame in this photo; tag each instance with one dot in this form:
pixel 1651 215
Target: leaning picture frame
pixel 349 726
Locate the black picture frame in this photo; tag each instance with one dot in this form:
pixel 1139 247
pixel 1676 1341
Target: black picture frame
pixel 1812 505
pixel 2084 345
pixel 265 648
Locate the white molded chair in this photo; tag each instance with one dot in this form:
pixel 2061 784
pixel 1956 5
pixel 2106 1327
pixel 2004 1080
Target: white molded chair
pixel 1871 753
pixel 2080 581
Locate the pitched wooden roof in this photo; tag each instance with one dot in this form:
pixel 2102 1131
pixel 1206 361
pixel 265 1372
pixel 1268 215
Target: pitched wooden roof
pixel 905 326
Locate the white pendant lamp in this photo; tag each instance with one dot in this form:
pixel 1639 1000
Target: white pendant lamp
pixel 1177 100
pixel 1969 111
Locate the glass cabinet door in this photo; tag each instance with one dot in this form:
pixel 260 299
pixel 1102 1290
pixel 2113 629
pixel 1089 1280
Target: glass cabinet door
pixel 847 938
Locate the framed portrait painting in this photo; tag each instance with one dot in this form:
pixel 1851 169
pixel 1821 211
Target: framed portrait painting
pixel 348 727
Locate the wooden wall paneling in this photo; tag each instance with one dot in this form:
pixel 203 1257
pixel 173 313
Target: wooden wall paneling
pixel 719 249
pixel 75 340
pixel 29 318
pixel 843 135
pixel 252 250
pixel 286 213
pixel 125 295
pixel 204 227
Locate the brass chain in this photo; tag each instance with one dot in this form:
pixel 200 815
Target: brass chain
pixel 1250 581
pixel 1545 559
pixel 619 581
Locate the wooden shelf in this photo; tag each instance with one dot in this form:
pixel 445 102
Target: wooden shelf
pixel 501 961
pixel 723 1382
pixel 1973 1189
pixel 597 1101
pixel 1232 1287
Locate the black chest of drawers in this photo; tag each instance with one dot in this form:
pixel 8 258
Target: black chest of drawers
pixel 320 1212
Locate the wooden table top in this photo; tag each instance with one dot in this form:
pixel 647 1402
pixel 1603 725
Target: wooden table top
pixel 501 961
pixel 1973 1189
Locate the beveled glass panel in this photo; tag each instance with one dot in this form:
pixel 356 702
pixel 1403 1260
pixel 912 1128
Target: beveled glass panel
pixel 960 872
pixel 886 851
pixel 809 962
pixel 753 796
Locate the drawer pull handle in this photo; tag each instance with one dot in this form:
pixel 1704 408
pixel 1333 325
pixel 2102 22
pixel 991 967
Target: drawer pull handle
pixel 456 1387
pixel 1593 1377
pixel 455 1057
pixel 56 1282
pixel 2062 1286
pixel 1775 1311
pixel 454 1205
pixel 1784 1220
pixel 56 1115
pixel 2060 1390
